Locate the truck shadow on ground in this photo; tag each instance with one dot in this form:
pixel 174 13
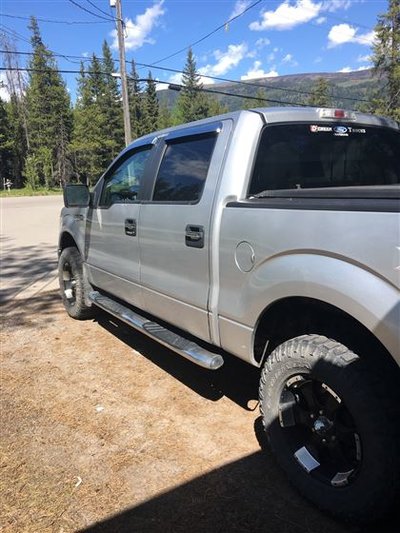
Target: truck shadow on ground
pixel 212 385
pixel 248 495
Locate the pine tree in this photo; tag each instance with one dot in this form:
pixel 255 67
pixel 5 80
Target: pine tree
pixel 6 144
pixel 261 96
pixel 111 103
pixel 136 103
pixel 95 80
pixel 320 95
pixel 48 109
pixel 386 60
pixel 151 122
pixel 94 145
pixel 192 103
pixel 165 117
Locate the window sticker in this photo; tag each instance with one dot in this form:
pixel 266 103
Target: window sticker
pixel 341 131
pixel 316 129
pixel 338 131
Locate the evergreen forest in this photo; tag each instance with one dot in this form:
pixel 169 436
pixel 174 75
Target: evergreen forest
pixel 46 140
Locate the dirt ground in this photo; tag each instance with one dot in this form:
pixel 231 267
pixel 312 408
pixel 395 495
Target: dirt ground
pixel 105 430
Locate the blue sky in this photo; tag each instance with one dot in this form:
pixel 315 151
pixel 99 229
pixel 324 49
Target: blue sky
pixel 272 38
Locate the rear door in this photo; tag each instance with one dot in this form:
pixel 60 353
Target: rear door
pixel 175 227
pixel 112 245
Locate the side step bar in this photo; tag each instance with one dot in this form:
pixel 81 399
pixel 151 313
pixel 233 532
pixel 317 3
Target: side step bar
pixel 188 349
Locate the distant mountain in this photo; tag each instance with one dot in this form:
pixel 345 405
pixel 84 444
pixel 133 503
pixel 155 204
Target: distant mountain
pixel 348 89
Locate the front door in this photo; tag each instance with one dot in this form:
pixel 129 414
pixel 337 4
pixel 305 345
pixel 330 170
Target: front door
pixel 113 246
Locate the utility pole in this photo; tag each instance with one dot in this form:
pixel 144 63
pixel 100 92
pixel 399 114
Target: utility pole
pixel 122 67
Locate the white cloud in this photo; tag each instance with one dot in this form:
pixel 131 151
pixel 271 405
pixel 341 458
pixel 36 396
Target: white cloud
pixel 225 60
pixel 177 78
pixel 240 6
pixel 344 33
pixel 335 5
pixel 137 33
pixel 260 43
pixel 320 20
pixel 364 59
pixel 286 16
pixel 257 72
pixel 252 54
pixel 351 69
pixel 290 60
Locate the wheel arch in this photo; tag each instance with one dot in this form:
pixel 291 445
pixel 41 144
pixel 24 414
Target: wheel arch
pixel 294 316
pixel 65 241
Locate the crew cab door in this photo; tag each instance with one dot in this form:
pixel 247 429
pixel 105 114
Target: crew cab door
pixel 175 226
pixel 112 243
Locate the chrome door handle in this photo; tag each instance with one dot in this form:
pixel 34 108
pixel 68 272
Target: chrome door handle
pixel 130 227
pixel 194 236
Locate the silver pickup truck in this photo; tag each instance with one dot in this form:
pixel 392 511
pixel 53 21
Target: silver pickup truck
pixel 272 235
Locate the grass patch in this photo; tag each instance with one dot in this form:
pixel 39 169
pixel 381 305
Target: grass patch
pixel 27 191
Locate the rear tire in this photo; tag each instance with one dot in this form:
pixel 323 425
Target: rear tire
pixel 334 427
pixel 73 285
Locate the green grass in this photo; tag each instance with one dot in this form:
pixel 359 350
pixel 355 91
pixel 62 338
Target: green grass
pixel 27 191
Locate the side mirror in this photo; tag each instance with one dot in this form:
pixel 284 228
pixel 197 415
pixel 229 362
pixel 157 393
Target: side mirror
pixel 76 196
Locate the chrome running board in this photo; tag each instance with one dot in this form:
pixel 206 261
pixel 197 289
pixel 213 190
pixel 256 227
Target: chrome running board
pixel 188 349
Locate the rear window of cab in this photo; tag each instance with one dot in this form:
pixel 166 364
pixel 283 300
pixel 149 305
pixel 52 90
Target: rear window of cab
pixel 303 156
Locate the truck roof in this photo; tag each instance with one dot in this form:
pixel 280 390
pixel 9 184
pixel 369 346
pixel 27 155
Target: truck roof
pixel 278 115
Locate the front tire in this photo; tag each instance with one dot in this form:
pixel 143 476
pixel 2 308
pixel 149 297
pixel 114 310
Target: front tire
pixel 73 285
pixel 333 427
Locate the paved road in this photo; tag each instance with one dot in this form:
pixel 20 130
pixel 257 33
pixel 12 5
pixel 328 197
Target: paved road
pixel 29 233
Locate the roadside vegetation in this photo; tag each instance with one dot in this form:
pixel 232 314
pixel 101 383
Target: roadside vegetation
pixel 46 141
pixel 28 191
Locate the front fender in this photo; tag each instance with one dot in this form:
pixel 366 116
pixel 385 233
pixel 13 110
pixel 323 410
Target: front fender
pixel 73 223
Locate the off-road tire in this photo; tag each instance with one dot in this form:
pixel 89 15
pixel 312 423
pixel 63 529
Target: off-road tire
pixel 74 291
pixel 371 404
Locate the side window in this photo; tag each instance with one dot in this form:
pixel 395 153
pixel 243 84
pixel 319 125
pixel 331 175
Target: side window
pixel 123 183
pixel 183 170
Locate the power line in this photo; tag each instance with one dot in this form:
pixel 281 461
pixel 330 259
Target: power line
pixel 13 33
pixel 174 86
pixel 223 25
pixel 53 21
pixel 90 12
pixel 252 84
pixel 216 78
pixel 226 23
pixel 17 35
pixel 98 9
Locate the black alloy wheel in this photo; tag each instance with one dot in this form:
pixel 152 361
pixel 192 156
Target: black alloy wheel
pixel 331 418
pixel 320 430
